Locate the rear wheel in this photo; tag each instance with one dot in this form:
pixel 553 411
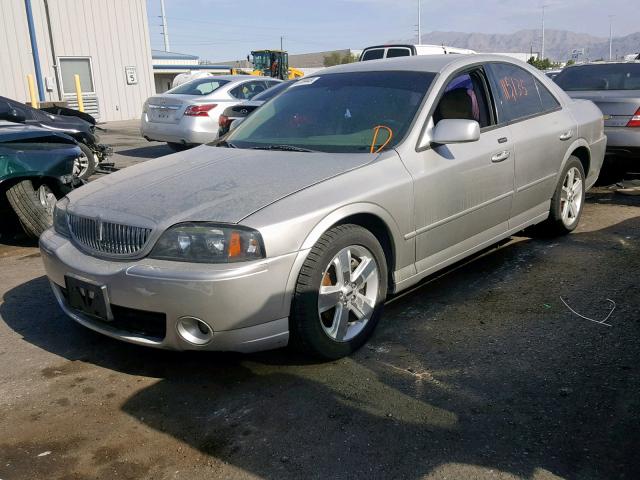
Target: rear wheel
pixel 340 292
pixel 567 201
pixel 34 207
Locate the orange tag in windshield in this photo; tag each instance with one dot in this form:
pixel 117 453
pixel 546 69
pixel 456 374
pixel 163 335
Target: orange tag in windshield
pixel 376 131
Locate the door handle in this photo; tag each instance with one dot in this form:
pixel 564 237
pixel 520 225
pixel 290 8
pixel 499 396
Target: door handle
pixel 566 135
pixel 501 157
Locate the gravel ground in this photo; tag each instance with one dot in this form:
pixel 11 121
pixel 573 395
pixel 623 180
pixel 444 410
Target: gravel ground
pixel 480 373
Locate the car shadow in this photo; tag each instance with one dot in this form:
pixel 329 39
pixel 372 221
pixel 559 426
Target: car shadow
pixel 481 370
pixel 151 151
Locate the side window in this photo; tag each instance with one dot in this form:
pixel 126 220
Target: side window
pixel 248 90
pixel 465 97
pixel 373 54
pixel 549 102
pixel 515 92
pixel 398 52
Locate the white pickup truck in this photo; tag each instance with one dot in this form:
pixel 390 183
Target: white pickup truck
pixel 401 50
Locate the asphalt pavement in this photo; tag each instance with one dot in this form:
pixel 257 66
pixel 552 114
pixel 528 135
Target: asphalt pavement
pixel 502 368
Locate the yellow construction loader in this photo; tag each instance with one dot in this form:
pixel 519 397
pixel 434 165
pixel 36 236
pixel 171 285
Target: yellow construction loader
pixel 273 63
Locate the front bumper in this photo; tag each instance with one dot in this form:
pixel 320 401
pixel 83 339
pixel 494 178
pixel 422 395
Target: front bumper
pixel 244 304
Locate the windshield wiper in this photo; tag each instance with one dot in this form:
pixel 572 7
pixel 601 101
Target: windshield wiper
pixel 284 148
pixel 224 143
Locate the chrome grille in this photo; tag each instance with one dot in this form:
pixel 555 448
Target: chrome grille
pixel 108 237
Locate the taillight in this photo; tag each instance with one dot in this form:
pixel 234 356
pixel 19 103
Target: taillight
pixel 223 121
pixel 635 120
pixel 199 110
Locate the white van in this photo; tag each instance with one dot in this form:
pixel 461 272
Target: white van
pixel 391 51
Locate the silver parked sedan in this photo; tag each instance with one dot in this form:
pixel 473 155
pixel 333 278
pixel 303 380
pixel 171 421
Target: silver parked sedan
pixel 188 114
pixel 615 88
pixel 352 184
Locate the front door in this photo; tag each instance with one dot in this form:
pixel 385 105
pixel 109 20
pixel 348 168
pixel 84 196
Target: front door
pixel 463 191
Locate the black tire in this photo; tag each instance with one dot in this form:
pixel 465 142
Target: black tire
pixel 555 225
pixel 33 216
pixel 306 332
pixel 92 162
pixel 178 147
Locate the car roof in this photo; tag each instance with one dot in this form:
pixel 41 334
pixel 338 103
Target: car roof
pixel 590 64
pixel 233 78
pixel 419 63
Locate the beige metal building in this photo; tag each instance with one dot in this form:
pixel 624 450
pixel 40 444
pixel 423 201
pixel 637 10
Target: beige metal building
pixel 105 42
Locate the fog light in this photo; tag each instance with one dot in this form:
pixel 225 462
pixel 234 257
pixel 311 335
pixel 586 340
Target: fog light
pixel 194 330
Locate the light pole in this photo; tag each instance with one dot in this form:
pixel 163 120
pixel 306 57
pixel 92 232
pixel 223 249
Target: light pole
pixel 542 48
pixel 165 30
pixel 419 22
pixel 610 36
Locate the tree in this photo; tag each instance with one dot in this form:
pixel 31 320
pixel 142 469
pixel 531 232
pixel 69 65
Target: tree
pixel 570 62
pixel 334 58
pixel 542 64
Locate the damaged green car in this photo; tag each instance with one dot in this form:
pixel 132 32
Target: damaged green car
pixel 36 169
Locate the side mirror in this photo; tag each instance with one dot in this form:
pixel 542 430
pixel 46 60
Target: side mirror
pixel 235 124
pixel 451 130
pixel 7 112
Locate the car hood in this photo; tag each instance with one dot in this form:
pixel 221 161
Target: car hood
pixel 15 132
pixel 206 184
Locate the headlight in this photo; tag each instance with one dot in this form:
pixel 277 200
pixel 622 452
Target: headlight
pixel 60 224
pixel 208 243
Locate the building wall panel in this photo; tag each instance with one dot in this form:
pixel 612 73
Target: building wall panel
pixel 113 33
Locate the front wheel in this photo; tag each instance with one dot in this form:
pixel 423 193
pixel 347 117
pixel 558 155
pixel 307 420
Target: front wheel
pixel 34 207
pixel 339 294
pixel 567 201
pixel 85 165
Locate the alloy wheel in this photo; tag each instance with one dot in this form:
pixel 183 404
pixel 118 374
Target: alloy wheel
pixel 80 165
pixel 47 198
pixel 348 293
pixel 571 197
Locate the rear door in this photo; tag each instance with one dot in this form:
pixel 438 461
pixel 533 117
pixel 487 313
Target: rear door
pixel 541 131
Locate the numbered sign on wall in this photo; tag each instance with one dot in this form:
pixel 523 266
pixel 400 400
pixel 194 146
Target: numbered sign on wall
pixel 132 75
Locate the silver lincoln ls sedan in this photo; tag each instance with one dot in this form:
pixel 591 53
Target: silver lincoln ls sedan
pixel 354 183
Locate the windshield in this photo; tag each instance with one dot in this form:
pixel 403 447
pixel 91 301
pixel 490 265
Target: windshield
pixel 202 86
pixel 615 76
pixel 272 92
pixel 340 112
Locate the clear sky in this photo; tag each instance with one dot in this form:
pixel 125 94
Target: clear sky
pixel 229 29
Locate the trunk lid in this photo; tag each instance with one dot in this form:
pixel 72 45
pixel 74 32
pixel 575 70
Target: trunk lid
pixel 617 106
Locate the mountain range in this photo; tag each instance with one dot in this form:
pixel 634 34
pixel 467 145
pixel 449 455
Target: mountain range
pixel 558 43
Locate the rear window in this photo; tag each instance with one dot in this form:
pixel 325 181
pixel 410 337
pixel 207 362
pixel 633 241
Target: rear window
pixel 398 52
pixel 374 54
pixel 616 76
pixel 202 86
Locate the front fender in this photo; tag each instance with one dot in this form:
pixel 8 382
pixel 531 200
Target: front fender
pixel 361 208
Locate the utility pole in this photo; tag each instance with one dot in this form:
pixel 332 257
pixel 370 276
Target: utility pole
pixel 282 49
pixel 165 29
pixel 542 49
pixel 610 36
pixel 419 22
